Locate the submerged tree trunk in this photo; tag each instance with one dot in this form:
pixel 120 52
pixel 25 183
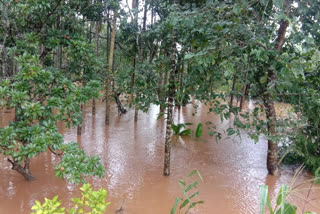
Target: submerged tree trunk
pixel 171 96
pixel 25 170
pixel 97 55
pixel 272 157
pixel 108 80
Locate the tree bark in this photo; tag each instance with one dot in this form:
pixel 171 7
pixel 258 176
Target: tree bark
pixel 97 55
pixel 132 75
pixel 160 93
pixel 232 91
pixel 145 16
pixel 272 157
pixel 171 96
pixel 108 79
pixel 244 96
pixel 59 49
pixel 79 128
pixel 24 171
pixel 181 85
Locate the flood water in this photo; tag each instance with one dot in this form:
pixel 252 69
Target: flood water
pixel 132 153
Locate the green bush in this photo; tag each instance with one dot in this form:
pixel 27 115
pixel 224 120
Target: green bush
pixel 92 201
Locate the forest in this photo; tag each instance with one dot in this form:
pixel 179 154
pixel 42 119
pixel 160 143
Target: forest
pixel 130 97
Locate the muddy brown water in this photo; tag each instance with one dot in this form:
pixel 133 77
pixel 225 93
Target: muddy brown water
pixel 132 153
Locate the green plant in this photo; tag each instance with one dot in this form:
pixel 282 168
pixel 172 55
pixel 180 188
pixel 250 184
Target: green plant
pixel 41 97
pixel 186 199
pixel 90 200
pixel 199 130
pixel 180 129
pixel 282 206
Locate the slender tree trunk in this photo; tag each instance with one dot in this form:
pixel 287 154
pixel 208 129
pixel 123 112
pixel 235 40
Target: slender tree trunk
pixel 232 91
pixel 162 84
pixel 244 97
pixel 133 74
pixel 108 80
pixel 145 16
pixel 79 128
pixel 152 15
pixel 171 96
pixel 108 35
pixel 163 93
pixel 160 95
pixel 181 85
pixel 97 55
pixel 59 49
pixel 65 63
pixel 243 91
pixel 5 63
pixel 14 65
pixel 272 157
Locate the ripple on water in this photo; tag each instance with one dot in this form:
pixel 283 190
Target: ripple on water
pixel 132 153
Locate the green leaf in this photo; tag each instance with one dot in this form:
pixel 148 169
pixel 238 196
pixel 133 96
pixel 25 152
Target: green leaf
pixel 230 131
pixel 287 208
pixel 194 184
pixel 173 210
pixel 199 130
pixel 182 182
pixel 195 171
pixel 187 201
pixel 264 199
pixel 160 115
pixel 185 132
pixel 282 195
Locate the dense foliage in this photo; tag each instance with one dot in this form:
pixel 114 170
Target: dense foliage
pixel 58 54
pixel 48 72
pixel 90 200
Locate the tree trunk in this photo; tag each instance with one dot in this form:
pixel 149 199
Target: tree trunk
pixel 171 96
pixel 181 85
pixel 232 91
pixel 145 16
pixel 59 49
pixel 108 80
pixel 24 171
pixel 272 157
pixel 132 75
pixel 152 15
pixel 244 96
pixel 79 128
pixel 160 93
pixel 97 55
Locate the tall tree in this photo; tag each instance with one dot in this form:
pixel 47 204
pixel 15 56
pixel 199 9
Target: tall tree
pixel 108 94
pixel 171 96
